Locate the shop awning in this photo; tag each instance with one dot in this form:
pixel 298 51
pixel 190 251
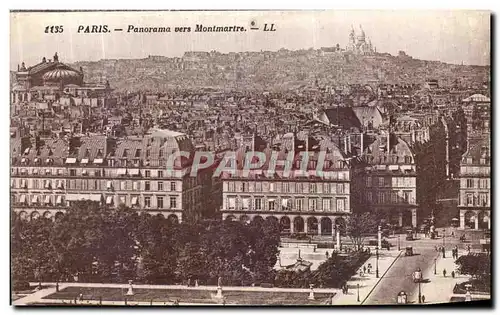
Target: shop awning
pixel 77 197
pixel 135 201
pixel 109 200
pixel 121 171
pixel 70 160
pixel 134 172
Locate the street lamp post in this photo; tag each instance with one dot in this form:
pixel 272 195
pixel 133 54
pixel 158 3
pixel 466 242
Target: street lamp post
pixel 444 238
pixel 358 291
pixel 399 246
pixel 417 277
pixel 435 271
pixel 376 266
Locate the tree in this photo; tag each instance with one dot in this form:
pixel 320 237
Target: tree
pixel 96 243
pixel 33 255
pixel 478 266
pixel 359 226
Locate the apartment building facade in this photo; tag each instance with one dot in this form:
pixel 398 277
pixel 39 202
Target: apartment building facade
pixel 49 175
pixel 311 198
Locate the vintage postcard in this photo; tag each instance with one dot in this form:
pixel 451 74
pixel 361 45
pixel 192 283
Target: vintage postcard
pixel 321 158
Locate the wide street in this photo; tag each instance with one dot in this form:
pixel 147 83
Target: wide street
pixel 399 277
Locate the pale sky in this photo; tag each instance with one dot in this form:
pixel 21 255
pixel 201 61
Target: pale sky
pixel 448 36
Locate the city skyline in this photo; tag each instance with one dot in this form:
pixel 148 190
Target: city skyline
pixel 457 36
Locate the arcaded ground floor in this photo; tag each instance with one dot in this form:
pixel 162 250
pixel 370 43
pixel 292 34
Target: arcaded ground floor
pixel 312 224
pixel 54 214
pixel 475 218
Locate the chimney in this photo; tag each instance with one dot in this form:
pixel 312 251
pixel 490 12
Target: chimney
pixel 345 144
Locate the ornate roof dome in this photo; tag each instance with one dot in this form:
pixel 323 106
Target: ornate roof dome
pixel 61 73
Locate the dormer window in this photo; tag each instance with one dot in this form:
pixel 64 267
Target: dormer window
pixel 99 153
pixel 125 153
pixel 87 153
pixel 138 153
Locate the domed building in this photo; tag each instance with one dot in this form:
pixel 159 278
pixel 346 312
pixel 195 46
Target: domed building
pixel 50 80
pixel 360 45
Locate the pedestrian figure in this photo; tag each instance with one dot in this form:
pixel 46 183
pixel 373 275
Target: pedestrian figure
pixel 468 249
pixel 423 298
pixel 81 296
pixel 364 269
pixel 327 255
pixel 453 274
pixel 189 282
pixel 369 270
pixel 360 272
pixel 444 273
pixel 452 234
pixel 346 289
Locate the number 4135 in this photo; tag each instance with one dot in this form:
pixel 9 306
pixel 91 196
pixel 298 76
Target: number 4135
pixel 53 29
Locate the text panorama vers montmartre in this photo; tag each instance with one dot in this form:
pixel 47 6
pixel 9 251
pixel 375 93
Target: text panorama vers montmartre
pixel 198 28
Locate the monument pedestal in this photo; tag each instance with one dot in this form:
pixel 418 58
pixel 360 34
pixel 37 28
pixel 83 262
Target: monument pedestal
pixel 219 293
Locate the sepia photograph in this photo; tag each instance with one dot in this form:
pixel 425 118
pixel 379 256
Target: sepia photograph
pixel 313 158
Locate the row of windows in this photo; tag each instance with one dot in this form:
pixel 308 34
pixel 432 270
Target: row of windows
pixel 384 197
pixel 160 202
pixel 287 187
pixel 389 181
pixel 480 199
pixel 286 204
pixel 88 172
pixel 483 183
pixel 94 184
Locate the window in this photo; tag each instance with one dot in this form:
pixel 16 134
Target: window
pixel 147 173
pixel 160 186
pixel 271 204
pixel 245 203
pixel 298 187
pixel 312 188
pixel 406 196
pixel 327 204
pixel 369 197
pixel 340 204
pixel 381 197
pixel 299 204
pixel 285 204
pixel 122 199
pixel 258 186
pixel 483 199
pixel 286 187
pixel 159 202
pixel 173 202
pixel 258 203
pixel 160 174
pixel 147 186
pixel 407 159
pixel 313 202
pixel 135 185
pixel 72 172
pixel 147 202
pixel 470 183
pixel 244 187
pixel 326 188
pixel 369 181
pixel 123 185
pixel 97 173
pixel 470 200
pixel 271 186
pixel 381 182
pixel 231 203
pixel 172 186
pixel 340 188
pixel 483 183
